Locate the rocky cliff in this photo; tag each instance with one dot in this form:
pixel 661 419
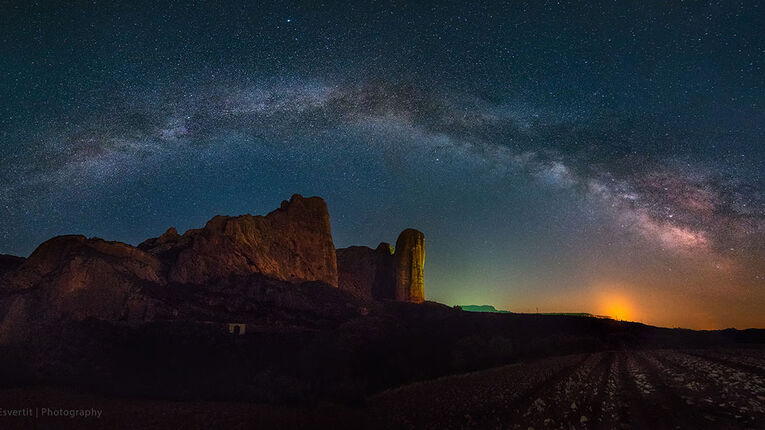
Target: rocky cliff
pixel 292 243
pixel 367 272
pixel 74 277
pixel 382 274
pixel 410 266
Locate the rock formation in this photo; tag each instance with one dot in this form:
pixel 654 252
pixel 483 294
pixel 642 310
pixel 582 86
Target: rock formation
pixel 367 272
pixel 410 266
pixel 163 243
pixel 77 277
pixel 229 267
pixel 292 243
pixel 381 274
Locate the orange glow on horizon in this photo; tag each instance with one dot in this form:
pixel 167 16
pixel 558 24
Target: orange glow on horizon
pixel 616 307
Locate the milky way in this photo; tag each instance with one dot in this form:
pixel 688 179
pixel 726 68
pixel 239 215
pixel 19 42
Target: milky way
pixel 543 167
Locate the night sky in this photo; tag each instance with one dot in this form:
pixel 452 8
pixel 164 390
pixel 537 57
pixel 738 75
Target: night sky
pixel 602 157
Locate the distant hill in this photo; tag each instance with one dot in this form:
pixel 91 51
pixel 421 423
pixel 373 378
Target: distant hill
pixel 577 314
pixel 481 308
pixel 572 314
pixel 490 308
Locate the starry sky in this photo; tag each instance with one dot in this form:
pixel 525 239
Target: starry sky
pixel 602 157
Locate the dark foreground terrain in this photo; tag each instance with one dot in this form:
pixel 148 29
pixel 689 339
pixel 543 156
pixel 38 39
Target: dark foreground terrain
pixel 651 389
pixel 321 359
pixel 316 357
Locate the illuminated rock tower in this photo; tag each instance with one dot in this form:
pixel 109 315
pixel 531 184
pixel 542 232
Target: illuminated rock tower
pixel 409 266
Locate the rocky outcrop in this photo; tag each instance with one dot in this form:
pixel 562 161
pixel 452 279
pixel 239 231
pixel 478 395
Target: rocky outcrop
pixel 161 244
pixel 292 243
pixel 409 263
pixel 244 259
pixel 366 272
pixel 381 274
pixel 76 277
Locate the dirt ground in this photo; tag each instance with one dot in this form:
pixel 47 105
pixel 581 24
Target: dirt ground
pixel 691 389
pixel 657 389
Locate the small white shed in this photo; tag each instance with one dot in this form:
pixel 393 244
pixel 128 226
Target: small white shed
pixel 237 328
